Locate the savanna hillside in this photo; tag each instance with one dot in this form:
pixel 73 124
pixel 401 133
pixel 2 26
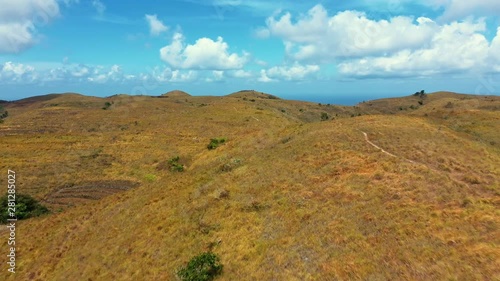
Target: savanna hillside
pixel 296 191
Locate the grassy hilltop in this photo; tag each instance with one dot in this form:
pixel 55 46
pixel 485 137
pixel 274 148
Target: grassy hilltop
pixel 391 189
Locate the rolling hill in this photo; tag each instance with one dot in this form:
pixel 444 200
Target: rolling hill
pixel 393 189
pixel 176 94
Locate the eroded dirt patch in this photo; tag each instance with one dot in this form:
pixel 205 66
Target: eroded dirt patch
pixel 74 194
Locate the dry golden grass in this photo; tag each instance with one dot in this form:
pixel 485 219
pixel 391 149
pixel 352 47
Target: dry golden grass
pixel 285 198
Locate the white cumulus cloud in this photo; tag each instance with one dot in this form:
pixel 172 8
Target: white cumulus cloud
pixel 494 51
pixel 16 72
pixel 240 73
pixel 264 78
pixel 457 9
pixel 203 54
pixel 400 46
pixel 156 26
pixel 320 37
pixel 19 19
pixel 295 72
pixel 456 47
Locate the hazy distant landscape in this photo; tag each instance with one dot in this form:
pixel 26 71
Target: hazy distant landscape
pixel 199 140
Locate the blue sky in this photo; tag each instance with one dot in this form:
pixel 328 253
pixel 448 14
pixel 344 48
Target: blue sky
pixel 309 50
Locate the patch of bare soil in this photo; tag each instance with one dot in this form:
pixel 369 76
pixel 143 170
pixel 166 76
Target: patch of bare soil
pixel 74 194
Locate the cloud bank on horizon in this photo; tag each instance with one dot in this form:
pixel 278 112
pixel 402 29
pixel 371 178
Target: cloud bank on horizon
pixel 104 47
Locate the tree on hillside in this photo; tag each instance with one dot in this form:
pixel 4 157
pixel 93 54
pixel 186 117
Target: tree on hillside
pixel 324 116
pixel 420 94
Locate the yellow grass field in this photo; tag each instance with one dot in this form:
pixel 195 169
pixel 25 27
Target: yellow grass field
pixel 288 196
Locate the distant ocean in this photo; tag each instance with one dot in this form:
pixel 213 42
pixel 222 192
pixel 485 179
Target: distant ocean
pixel 334 100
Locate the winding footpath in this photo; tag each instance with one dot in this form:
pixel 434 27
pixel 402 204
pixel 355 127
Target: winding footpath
pixel 383 151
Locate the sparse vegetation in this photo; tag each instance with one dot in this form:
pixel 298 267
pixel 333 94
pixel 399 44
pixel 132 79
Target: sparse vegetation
pixel 107 105
pixel 150 177
pixel 204 267
pixel 420 94
pixel 214 143
pixel 229 166
pixel 4 114
pixel 175 165
pixel 291 197
pixel 25 207
pixel 324 116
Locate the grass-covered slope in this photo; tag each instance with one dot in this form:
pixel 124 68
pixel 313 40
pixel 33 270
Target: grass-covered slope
pixel 283 198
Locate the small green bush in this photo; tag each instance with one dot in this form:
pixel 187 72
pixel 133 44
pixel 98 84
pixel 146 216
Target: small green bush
pixel 229 166
pixel 204 267
pixel 150 177
pixel 214 143
pixel 175 165
pixel 106 105
pixel 324 116
pixel 26 207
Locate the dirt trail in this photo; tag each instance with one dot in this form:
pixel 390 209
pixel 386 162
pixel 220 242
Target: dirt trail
pixel 384 151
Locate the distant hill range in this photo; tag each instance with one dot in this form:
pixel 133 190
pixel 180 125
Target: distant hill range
pixel 252 94
pixel 176 94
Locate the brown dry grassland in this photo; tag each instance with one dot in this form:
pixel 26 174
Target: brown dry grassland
pixel 287 197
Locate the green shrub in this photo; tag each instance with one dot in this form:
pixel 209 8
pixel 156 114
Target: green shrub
pixel 175 165
pixel 214 143
pixel 229 166
pixel 204 267
pixel 150 177
pixel 106 105
pixel 26 207
pixel 324 116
